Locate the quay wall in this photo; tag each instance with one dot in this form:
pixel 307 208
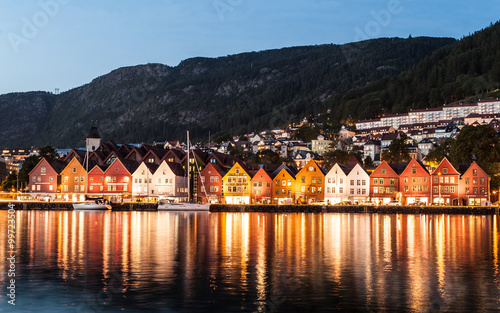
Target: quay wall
pixel 66 206
pixel 355 209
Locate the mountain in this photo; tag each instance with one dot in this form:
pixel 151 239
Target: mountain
pixel 463 72
pixel 234 94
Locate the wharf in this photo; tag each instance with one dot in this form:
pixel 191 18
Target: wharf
pixel 266 208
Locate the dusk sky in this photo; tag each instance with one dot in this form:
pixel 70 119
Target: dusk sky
pixel 64 44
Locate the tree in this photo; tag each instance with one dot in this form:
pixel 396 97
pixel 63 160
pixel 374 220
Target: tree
pixel 436 155
pixel 397 152
pixel 306 133
pixel 268 157
pixel 10 182
pixel 479 143
pixel 339 156
pixel 368 162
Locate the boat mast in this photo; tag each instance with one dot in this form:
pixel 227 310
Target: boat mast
pixel 188 166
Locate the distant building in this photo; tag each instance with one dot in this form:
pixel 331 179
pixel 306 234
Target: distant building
pixel 320 145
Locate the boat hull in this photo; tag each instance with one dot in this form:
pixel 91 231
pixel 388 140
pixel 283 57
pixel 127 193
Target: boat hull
pixel 90 206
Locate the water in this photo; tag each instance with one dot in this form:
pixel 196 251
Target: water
pixel 231 262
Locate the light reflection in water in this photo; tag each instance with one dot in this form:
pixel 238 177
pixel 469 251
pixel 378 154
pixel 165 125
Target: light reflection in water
pixel 102 261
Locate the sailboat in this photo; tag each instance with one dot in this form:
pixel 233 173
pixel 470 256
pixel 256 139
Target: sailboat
pixel 90 204
pixel 185 206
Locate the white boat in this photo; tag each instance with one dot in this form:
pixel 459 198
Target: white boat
pixel 183 206
pixel 91 206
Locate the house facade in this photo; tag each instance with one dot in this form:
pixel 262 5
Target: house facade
pixel 73 181
pixel 169 182
pixel 261 187
pixel 358 184
pixel 283 190
pixel 45 178
pixel 384 184
pixel 336 184
pixel 445 180
pixel 236 184
pixel 415 184
pixel 210 184
pixel 309 183
pixel 474 186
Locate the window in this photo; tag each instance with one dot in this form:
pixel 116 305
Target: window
pixel 352 182
pixel 436 179
pixel 341 190
pixel 467 190
pixel 303 179
pixel 406 188
pixel 405 179
pixel 74 169
pixel 351 191
pixel 303 189
pixel 341 181
pixel 474 181
pixel 51 178
pixel 91 179
pixel 375 189
pixel 436 189
pixel 375 181
pixel 313 189
pixel 381 190
pixel 65 188
pixel 452 189
pixel 414 171
pixel 474 190
pixel 446 189
pixel 467 181
pixel 384 171
pixel 452 180
pixel 43 170
pixel 313 180
pixel 358 182
pixel 483 190
pixel 482 180
pixel 328 190
pixel 202 178
pixel 381 181
pixel 392 181
pixel 445 170
pixel 117 169
pixel 66 179
pixel 329 180
pixel 319 180
pixel 114 179
pixel 446 179
pixel 474 172
pixel 76 179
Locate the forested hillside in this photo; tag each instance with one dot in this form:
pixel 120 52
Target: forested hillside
pixel 465 71
pixel 234 94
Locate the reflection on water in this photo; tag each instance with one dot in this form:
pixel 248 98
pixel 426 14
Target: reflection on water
pixel 225 262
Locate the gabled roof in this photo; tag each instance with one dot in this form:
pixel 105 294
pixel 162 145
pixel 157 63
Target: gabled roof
pixel 290 169
pixel 216 168
pixel 58 165
pixel 352 162
pixel 448 165
pixel 79 154
pixel 463 168
pixel 176 168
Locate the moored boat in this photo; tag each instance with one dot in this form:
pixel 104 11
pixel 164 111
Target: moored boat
pixel 91 206
pixel 183 206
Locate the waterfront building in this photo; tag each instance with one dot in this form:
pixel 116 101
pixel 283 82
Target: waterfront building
pixel 45 178
pixel 96 179
pixel 118 179
pixel 445 180
pixel 336 184
pixel 358 182
pixel 283 189
pixel 236 184
pixel 415 184
pixel 261 187
pixel 73 181
pixel 309 183
pixel 303 157
pixel 474 185
pixel 142 178
pixel 210 184
pixel 384 182
pixel 170 182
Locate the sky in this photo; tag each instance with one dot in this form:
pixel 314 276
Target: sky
pixel 49 44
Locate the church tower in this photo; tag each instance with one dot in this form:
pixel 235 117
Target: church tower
pixel 93 139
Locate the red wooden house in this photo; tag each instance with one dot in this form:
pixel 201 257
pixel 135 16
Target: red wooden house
pixel 96 179
pixel 118 178
pixel 45 177
pixel 261 187
pixel 384 183
pixel 445 184
pixel 415 184
pixel 474 186
pixel 210 184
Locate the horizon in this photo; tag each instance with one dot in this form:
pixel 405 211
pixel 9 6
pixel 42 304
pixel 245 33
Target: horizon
pixel 63 44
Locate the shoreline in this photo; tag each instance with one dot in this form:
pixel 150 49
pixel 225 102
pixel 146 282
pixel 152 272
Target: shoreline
pixel 269 208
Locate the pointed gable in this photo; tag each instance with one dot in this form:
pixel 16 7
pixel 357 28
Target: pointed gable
pixel 353 161
pixel 389 170
pixel 417 165
pixel 445 168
